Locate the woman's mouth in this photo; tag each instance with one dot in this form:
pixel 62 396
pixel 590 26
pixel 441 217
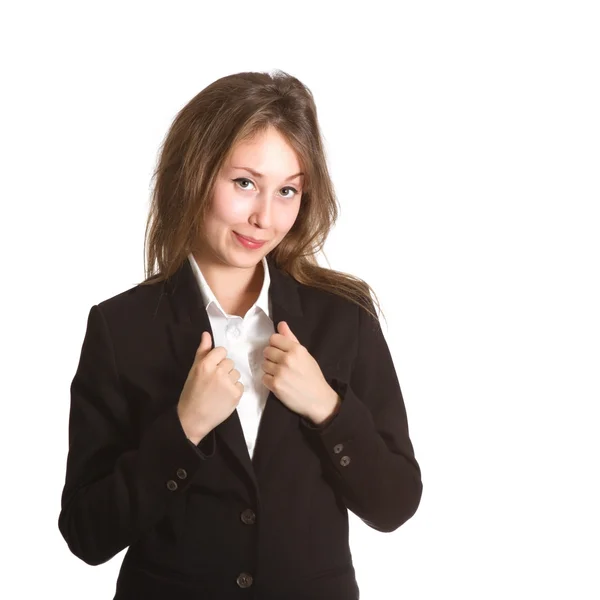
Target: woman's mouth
pixel 247 243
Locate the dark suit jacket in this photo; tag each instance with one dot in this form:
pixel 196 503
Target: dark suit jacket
pixel 206 521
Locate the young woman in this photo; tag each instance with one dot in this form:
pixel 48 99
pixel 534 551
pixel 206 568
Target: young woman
pixel 229 410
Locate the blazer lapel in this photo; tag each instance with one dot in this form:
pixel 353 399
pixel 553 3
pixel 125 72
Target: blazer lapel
pixel 184 331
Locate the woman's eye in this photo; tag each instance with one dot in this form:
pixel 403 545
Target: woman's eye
pixel 244 179
pixel 290 188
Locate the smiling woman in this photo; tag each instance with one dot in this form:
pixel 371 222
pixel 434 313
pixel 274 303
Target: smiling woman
pixel 229 410
pixel 267 179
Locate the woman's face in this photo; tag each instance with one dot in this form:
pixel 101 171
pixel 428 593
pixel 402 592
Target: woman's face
pixel 262 207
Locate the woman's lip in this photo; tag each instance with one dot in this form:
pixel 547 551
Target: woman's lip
pixel 249 238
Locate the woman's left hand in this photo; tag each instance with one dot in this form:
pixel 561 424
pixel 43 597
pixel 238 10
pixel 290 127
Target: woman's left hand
pixel 295 377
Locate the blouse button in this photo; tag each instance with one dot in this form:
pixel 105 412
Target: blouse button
pixel 244 580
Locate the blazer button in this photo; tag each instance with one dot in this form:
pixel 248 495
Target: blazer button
pixel 181 473
pixel 345 461
pixel 244 580
pixel 338 448
pixel 248 517
pixel 172 485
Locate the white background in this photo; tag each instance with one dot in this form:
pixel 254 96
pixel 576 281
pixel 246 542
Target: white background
pixel 464 144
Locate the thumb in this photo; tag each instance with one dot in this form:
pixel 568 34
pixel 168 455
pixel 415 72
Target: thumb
pixel 285 329
pixel 205 343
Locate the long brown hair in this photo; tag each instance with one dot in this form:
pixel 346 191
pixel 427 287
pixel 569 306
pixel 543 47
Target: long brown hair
pixel 230 110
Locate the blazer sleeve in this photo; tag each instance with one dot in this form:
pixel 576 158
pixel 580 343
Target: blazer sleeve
pixel 366 445
pixel 116 487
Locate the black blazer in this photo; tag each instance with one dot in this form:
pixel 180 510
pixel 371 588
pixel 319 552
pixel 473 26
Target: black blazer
pixel 206 521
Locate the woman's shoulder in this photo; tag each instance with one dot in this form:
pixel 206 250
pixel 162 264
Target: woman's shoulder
pixel 327 304
pixel 138 300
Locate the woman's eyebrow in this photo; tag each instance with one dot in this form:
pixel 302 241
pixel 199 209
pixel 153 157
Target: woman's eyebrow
pixel 259 175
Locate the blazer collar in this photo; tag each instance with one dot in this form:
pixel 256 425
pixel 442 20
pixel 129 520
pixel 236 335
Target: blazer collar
pixel 185 329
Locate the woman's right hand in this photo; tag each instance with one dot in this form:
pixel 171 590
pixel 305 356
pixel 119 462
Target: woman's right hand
pixel 211 391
